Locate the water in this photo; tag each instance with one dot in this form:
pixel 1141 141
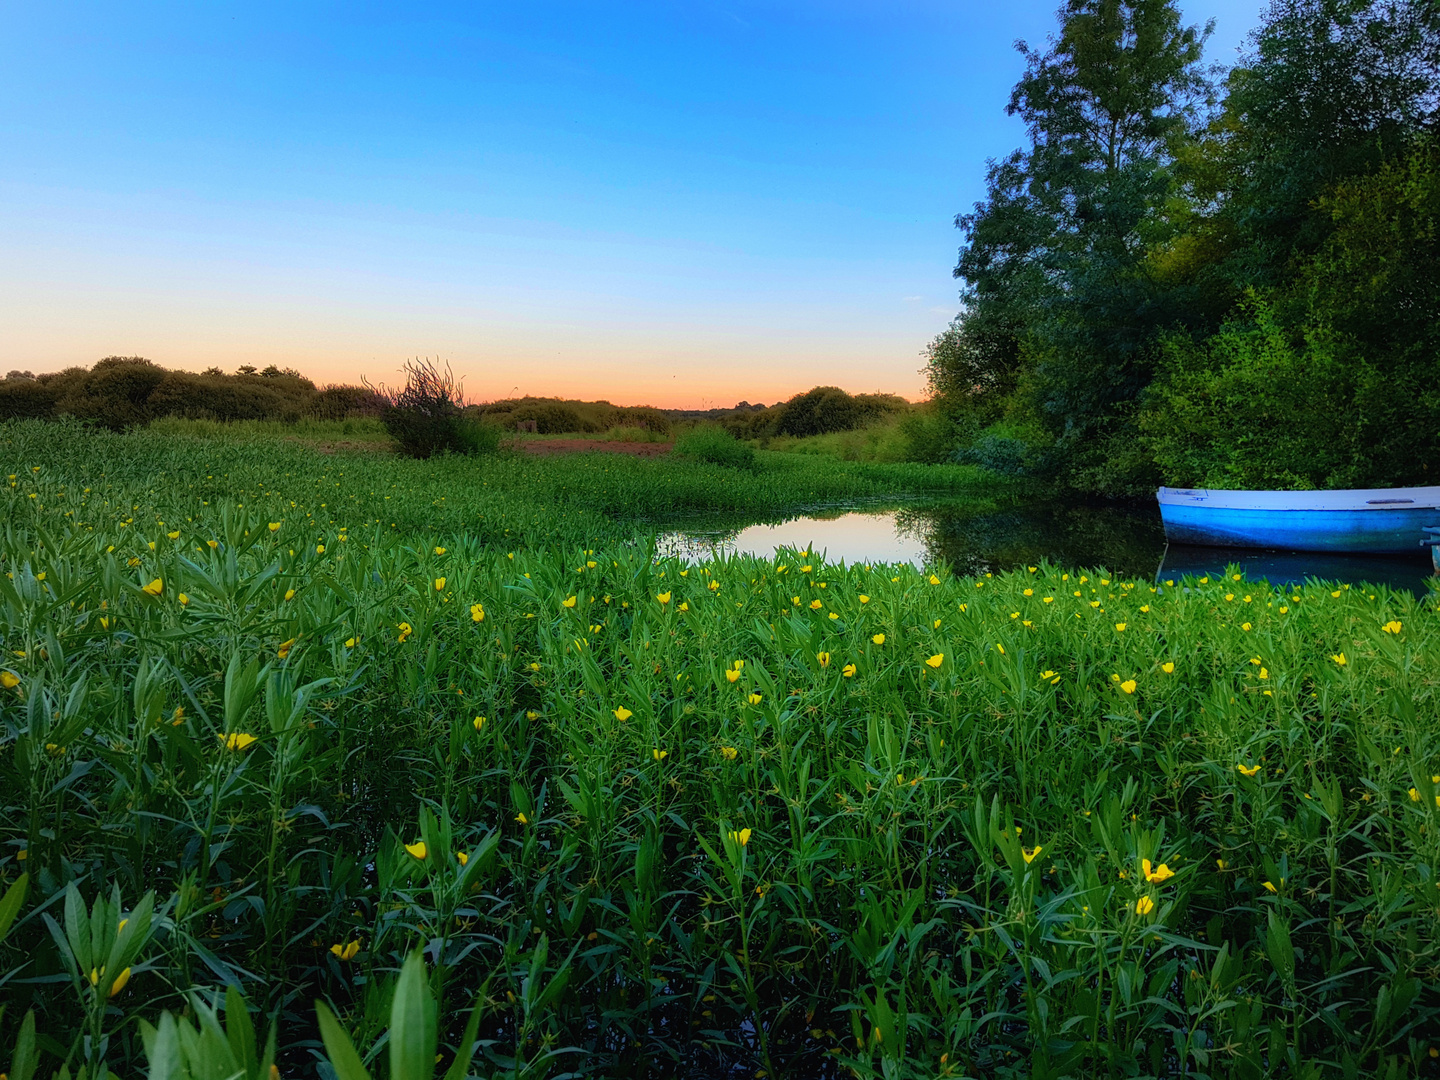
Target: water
pixel 1126 540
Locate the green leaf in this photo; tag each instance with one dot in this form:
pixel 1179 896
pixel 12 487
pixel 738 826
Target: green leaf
pixel 412 1024
pixel 338 1046
pixel 11 903
pixel 25 1058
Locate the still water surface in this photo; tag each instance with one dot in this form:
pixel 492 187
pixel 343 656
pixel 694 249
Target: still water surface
pixel 1126 540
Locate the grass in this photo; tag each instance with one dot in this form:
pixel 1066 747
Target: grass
pixel 746 814
pixel 884 440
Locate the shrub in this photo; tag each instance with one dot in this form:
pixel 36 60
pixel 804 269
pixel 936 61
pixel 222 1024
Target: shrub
pixel 551 418
pixel 425 416
pixel 711 443
pixel 27 399
pixel 827 409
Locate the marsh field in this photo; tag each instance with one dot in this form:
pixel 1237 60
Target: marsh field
pixel 445 747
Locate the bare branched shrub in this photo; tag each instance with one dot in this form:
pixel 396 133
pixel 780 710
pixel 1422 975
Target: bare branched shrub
pixel 426 416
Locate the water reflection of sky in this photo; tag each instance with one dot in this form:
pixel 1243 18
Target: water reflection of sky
pixel 850 538
pixel 1124 540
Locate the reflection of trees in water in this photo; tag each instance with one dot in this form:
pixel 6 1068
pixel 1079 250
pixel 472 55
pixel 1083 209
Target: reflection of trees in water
pixel 1124 540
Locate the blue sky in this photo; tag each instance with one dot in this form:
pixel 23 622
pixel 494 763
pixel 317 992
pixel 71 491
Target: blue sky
pixel 680 203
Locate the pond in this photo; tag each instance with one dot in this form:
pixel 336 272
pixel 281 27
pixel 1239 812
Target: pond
pixel 1125 539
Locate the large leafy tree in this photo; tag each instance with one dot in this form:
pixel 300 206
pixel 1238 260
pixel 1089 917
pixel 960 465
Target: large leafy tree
pixel 1058 297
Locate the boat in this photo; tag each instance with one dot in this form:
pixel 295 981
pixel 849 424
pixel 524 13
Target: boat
pixel 1378 521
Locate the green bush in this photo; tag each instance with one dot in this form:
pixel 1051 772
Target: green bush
pixel 715 445
pixel 827 409
pixel 1255 408
pixel 426 416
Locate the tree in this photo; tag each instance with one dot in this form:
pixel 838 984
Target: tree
pixel 1054 256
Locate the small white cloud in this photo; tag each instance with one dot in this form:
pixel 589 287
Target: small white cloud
pixel 913 299
pixel 950 312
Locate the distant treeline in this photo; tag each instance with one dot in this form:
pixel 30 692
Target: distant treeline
pixel 823 410
pixel 1228 282
pixel 125 391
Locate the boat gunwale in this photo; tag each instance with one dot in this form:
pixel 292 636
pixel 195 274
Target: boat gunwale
pixel 1342 501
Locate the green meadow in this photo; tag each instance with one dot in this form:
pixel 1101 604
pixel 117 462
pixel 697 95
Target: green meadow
pixel 316 761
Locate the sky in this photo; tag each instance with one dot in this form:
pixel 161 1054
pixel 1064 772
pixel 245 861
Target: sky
pixel 681 204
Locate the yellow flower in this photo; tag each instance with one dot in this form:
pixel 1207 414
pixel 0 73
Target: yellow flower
pixel 1000 648
pixel 405 631
pixel 319 549
pixel 1168 667
pixel 569 601
pixel 732 675
pixel 213 544
pixel 1222 864
pixel 834 615
pixel 1414 795
pixel 1144 607
pixel 119 983
pixel 1268 886
pixel 274 526
pixel 479 722
pixel 462 858
pixel 1159 875
pixel 878 639
pixel 815 605
pixel 155 588
pixel 741 837
pixel 1244 626
pixel 1336 593
pixel 236 740
pixel 1119 627
pixel 418 850
pixel 864 599
pixel 936 660
pixel 174 535
pixel 184 600
pixel 439 551
pixel 1264 673
pixel 1029 592
pixel 1144 906
pixel 9 680
pixel 848 670
pixel 1391 627
pixel 1128 686
pixel 1248 770
pixel 284 650
pixel 729 753
pixel 439 583
pixel 934 580
pixel 754 699
pixel 622 714
pixel 795 600
pixel 823 658
pixel 477 613
pixel 289 594
pixel 1030 854
pixel 663 597
pixel 659 755
pixel 350 642
pixel 1339 658
pixel 346 951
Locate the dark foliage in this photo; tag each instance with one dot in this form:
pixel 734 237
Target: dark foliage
pixel 1113 271
pixel 125 391
pixel 426 416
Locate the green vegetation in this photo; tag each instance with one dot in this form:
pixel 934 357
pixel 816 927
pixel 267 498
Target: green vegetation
pixel 713 444
pixel 124 391
pixel 1226 285
pixel 276 719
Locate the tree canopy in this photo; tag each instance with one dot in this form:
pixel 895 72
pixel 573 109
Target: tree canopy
pixel 1172 231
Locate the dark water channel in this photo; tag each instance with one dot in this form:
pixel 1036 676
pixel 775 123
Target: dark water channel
pixel 1127 540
